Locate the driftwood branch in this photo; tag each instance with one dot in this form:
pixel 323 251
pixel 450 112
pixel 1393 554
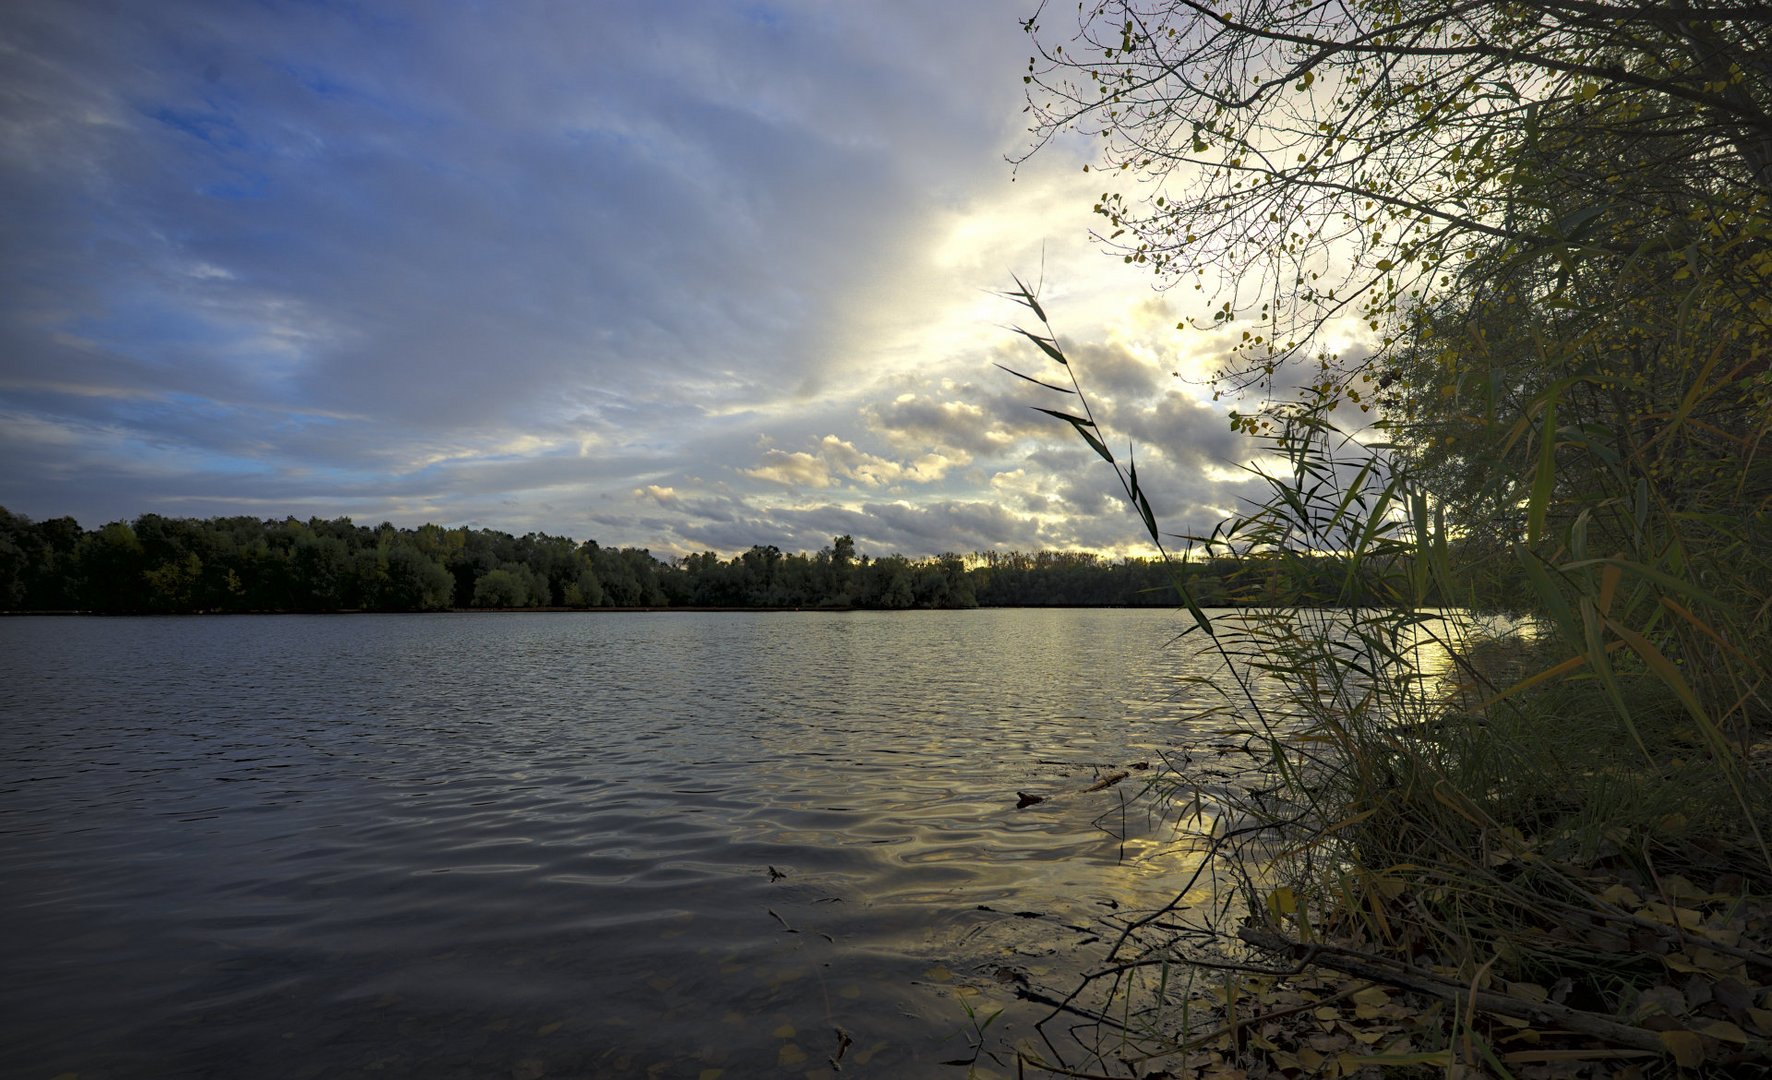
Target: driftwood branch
pixel 1402 975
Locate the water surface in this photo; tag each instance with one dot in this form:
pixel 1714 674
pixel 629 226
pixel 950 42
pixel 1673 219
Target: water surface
pixel 542 844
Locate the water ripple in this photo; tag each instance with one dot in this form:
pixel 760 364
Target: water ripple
pixel 443 845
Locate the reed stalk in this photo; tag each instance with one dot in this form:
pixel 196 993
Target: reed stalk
pixel 1565 809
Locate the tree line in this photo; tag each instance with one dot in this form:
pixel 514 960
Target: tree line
pixel 240 564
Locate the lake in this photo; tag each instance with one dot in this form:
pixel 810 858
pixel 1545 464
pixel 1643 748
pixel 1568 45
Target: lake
pixel 569 845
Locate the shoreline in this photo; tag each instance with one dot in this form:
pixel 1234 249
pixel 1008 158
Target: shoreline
pixel 639 609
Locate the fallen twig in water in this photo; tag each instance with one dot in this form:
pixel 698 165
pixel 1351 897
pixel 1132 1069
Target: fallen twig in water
pixel 1106 782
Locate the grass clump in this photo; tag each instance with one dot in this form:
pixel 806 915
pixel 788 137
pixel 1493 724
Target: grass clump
pixel 1450 842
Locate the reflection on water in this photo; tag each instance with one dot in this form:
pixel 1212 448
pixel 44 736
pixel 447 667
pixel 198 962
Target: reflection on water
pixel 542 845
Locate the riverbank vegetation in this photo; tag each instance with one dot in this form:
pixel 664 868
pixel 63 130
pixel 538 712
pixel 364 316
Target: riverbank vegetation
pixel 1554 222
pixel 238 564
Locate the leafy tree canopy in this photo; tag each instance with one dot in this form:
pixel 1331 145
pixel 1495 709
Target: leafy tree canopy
pixel 1304 162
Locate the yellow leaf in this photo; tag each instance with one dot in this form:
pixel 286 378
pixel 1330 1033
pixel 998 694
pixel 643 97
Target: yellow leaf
pixel 1686 1047
pixel 1373 996
pixel 786 1031
pixel 1725 1031
pixel 1761 1019
pixel 1282 902
pixel 1663 1000
pixel 1682 917
pixel 1682 963
pixel 793 1055
pixel 549 1029
pixel 1716 962
pixel 1723 935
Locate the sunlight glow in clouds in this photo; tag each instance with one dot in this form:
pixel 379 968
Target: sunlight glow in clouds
pixel 682 276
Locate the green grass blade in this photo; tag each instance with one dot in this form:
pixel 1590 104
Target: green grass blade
pixel 1038 382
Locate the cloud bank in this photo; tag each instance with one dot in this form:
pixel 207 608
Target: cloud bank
pixel 672 275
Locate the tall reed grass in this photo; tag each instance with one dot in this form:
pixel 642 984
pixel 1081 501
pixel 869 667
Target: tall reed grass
pixel 1557 820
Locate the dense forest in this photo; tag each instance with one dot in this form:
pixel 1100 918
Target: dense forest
pixel 162 564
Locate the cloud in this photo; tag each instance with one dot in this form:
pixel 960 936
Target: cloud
pixel 836 459
pixel 707 276
pixel 958 427
pixel 796 469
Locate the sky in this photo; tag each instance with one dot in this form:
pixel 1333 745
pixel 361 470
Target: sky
pixel 683 276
